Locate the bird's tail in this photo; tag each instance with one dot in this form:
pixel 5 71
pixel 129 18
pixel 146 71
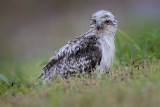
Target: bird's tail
pixel 40 76
pixel 44 70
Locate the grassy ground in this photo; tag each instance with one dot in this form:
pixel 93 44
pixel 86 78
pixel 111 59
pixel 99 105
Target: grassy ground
pixel 133 80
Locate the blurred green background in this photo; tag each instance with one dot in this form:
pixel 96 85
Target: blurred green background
pixel 35 29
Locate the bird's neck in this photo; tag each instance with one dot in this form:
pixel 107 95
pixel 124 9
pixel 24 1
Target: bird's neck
pixel 110 34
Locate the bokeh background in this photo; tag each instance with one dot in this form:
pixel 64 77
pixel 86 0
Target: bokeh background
pixel 34 29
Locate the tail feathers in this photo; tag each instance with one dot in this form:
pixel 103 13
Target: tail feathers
pixel 44 71
pixel 40 76
pixel 47 68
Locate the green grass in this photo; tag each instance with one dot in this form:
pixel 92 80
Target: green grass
pixel 134 80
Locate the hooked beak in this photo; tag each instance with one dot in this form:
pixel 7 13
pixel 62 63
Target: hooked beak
pixel 99 25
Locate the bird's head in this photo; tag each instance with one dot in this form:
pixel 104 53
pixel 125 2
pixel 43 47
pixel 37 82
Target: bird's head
pixel 103 22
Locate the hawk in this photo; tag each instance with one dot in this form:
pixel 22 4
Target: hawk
pixel 93 51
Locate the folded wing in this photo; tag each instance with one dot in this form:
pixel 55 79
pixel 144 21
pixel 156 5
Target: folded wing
pixel 82 54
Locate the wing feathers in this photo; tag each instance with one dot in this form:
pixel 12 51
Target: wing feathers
pixel 82 54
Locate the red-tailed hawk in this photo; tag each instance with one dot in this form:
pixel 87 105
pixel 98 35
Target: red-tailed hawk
pixel 94 51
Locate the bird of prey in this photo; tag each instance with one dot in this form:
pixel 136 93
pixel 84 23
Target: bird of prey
pixel 93 51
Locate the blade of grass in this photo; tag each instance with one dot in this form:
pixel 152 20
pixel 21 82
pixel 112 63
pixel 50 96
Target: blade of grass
pixel 130 39
pixel 3 78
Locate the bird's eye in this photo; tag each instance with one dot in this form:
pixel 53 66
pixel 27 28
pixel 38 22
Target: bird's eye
pixel 94 21
pixel 108 22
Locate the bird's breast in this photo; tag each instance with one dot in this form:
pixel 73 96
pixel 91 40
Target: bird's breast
pixel 107 47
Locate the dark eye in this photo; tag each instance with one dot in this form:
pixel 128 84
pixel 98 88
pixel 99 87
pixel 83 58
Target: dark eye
pixel 108 22
pixel 94 21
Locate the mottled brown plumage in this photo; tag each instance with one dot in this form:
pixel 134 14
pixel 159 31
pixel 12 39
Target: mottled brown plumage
pixel 90 52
